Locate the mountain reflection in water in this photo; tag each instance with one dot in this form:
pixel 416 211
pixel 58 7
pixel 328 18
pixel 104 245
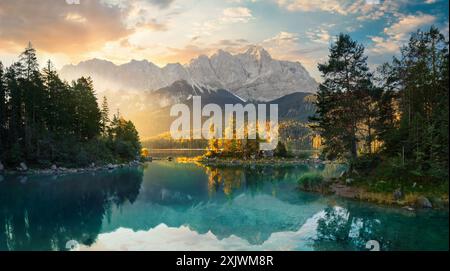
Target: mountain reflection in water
pixel 173 206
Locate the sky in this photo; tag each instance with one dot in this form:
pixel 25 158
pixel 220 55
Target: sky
pixel 168 31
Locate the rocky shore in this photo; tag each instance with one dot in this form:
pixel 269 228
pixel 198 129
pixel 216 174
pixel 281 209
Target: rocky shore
pixel 339 186
pixel 55 170
pixel 269 161
pixel 407 201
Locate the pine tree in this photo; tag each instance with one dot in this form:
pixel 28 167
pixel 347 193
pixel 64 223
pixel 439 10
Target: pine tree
pixel 33 97
pixel 3 116
pixel 104 120
pixel 280 150
pixel 343 98
pixel 45 120
pixel 15 133
pixel 87 112
pixel 422 76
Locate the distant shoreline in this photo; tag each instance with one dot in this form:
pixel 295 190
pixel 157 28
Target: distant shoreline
pixel 64 170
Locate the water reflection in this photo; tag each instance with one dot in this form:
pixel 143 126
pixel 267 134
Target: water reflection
pixel 43 214
pixel 228 179
pixel 351 227
pixel 187 207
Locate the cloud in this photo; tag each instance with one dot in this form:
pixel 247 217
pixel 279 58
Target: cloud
pixel 408 24
pixel 398 33
pixel 55 26
pixel 152 24
pixel 161 3
pixel 287 46
pixel 185 54
pixel 282 44
pixel 365 9
pixel 236 15
pixel 229 16
pixel 282 38
pixel 316 5
pixel 143 14
pixel 320 35
pixel 198 47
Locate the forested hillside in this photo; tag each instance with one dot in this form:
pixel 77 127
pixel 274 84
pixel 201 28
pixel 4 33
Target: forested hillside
pixel 44 120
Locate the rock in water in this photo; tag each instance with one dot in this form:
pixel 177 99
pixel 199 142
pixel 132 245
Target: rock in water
pixel 2 167
pixel 23 166
pixel 423 202
pixel 397 194
pixel 54 167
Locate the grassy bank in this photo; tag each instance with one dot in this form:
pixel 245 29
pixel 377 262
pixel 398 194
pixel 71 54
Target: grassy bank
pixel 420 193
pixel 394 193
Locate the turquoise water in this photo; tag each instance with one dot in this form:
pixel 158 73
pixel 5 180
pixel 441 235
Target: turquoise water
pixel 173 206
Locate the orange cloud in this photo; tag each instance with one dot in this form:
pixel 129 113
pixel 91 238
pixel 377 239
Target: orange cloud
pixel 185 54
pixel 57 27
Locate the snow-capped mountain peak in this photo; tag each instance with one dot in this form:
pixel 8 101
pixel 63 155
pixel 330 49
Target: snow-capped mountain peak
pixel 252 75
pixel 258 53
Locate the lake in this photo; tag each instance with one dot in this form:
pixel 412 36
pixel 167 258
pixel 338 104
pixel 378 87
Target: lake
pixel 174 206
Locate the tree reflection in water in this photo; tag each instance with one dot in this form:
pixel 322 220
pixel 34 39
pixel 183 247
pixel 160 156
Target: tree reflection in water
pixel 43 214
pixel 253 178
pixel 344 227
pixel 351 226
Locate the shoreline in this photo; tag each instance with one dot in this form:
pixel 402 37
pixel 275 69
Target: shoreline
pixel 329 187
pixel 272 161
pixel 410 201
pixel 64 170
pixel 335 186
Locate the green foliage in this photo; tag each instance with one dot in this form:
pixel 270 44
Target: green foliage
pixel 124 138
pixel 310 181
pixel 391 125
pixel 346 100
pixel 280 150
pixel 421 137
pixel 45 120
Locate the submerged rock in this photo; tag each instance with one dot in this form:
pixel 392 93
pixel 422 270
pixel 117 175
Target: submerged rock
pixel 23 179
pixel 438 202
pixel 408 208
pixel 423 202
pixel 23 167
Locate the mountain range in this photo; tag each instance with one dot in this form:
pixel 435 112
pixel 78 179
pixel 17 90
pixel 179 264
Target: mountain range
pixel 252 75
pixel 145 92
pixel 156 120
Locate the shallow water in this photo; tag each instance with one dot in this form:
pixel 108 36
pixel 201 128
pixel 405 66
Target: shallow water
pixel 173 206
